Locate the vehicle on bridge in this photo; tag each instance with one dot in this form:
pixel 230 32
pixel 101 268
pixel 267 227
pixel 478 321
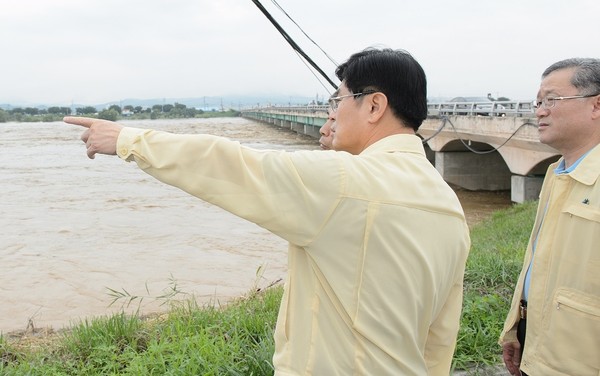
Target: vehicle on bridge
pixel 481 106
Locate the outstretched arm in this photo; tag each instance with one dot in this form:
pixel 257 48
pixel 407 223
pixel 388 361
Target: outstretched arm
pixel 100 137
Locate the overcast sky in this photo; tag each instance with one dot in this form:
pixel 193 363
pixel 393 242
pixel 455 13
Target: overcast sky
pixel 94 51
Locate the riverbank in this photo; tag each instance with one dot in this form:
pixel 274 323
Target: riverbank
pixel 237 338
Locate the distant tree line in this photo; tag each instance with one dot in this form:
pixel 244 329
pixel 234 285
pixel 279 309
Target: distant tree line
pixel 114 112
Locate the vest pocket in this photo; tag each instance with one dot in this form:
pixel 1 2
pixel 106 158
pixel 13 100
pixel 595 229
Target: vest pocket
pixel 584 211
pixel 572 337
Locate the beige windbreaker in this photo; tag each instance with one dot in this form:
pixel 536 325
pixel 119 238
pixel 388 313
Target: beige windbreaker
pixel 378 245
pixel 563 313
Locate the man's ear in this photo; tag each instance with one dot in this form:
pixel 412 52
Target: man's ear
pixel 378 104
pixel 596 109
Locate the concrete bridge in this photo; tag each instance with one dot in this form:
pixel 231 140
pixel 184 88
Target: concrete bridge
pixel 470 151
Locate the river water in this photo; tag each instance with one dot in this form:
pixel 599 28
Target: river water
pixel 73 229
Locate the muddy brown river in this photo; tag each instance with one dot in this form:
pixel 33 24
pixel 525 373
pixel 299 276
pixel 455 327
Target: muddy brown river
pixel 73 229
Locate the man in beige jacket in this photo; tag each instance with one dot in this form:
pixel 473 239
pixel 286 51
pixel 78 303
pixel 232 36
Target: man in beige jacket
pixel 378 241
pixel 553 327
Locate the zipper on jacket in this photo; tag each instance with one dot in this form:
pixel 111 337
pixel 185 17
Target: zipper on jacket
pixel 576 305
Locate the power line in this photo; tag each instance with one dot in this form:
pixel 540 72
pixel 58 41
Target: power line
pixel 292 43
pixel 303 32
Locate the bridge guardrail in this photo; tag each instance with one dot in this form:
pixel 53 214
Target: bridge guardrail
pixel 498 108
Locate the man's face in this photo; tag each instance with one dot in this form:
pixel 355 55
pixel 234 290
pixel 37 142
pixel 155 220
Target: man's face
pixel 567 124
pixel 326 135
pixel 350 125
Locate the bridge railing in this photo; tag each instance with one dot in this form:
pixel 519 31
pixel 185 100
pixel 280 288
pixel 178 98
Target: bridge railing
pixel 498 108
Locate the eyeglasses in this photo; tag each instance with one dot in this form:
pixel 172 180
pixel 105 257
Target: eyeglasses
pixel 549 102
pixel 334 102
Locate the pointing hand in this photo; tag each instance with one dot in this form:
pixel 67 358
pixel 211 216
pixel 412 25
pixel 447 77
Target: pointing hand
pixel 100 137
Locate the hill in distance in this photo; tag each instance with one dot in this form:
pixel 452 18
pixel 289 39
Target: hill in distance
pixel 235 102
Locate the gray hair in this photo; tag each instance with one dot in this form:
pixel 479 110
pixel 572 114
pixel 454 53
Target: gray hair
pixel 587 73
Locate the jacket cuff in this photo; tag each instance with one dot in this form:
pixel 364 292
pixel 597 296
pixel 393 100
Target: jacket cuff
pixel 125 141
pixel 509 336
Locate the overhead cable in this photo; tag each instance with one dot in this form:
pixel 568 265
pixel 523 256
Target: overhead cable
pixel 303 32
pixel 466 145
pixel 292 43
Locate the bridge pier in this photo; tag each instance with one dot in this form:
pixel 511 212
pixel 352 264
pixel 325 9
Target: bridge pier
pixel 525 188
pixel 313 131
pixel 297 127
pixel 487 172
pixel 474 171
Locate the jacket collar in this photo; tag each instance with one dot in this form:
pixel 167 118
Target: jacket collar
pixel 589 168
pixel 408 143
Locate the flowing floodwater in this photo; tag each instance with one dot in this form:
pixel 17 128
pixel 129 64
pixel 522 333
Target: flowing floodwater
pixel 74 228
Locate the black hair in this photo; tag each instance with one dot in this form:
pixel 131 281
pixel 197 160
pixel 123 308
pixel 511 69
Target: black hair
pixel 396 74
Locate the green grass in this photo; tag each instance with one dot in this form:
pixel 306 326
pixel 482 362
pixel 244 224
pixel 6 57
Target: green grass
pixel 237 339
pixel 498 246
pixel 190 340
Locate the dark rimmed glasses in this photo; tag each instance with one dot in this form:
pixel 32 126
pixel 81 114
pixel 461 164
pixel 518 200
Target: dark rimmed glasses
pixel 550 102
pixel 334 102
